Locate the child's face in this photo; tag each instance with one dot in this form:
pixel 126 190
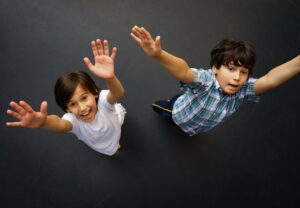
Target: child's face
pixel 231 78
pixel 83 104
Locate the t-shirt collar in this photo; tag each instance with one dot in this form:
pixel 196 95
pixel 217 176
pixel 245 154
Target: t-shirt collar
pixel 217 85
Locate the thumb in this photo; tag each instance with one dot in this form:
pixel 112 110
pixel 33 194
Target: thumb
pixel 88 62
pixel 157 42
pixel 44 108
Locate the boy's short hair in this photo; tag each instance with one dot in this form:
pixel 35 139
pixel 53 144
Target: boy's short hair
pixel 66 84
pixel 241 53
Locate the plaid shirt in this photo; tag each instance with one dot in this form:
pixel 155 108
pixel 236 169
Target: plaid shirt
pixel 203 104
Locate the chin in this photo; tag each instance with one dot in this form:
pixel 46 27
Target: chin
pixel 230 92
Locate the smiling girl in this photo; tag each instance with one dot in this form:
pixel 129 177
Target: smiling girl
pixel 94 116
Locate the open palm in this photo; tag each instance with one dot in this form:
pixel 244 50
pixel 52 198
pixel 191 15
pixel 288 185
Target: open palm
pixel 150 46
pixel 26 115
pixel 104 63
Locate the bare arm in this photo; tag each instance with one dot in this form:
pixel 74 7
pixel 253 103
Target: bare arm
pixel 177 67
pixel 56 124
pixel 104 69
pixel 277 76
pixel 29 118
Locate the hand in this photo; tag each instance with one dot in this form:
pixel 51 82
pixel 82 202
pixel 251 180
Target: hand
pixel 104 64
pixel 26 115
pixel 143 38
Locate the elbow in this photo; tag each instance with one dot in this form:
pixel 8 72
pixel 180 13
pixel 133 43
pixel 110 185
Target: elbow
pixel 121 94
pixel 184 71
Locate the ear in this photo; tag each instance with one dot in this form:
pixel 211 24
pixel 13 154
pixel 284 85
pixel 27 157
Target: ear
pixel 215 70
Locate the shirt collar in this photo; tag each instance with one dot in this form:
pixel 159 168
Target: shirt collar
pixel 217 85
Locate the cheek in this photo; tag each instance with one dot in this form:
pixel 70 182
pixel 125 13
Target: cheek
pixel 73 110
pixel 245 79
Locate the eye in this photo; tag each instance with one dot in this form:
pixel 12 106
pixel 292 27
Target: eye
pixel 244 72
pixel 84 98
pixel 231 68
pixel 72 105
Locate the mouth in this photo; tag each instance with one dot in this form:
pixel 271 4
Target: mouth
pixel 86 114
pixel 233 87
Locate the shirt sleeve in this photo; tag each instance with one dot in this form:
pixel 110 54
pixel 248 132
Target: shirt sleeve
pixel 203 79
pixel 247 91
pixel 103 101
pixel 71 117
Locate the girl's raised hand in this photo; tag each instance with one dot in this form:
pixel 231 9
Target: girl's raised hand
pixel 104 63
pixel 26 115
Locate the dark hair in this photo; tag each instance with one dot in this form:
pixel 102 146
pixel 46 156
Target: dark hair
pixel 67 83
pixel 241 53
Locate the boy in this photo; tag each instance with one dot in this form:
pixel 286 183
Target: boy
pixel 94 116
pixel 210 96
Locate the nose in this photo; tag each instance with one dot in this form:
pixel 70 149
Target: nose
pixel 81 106
pixel 237 75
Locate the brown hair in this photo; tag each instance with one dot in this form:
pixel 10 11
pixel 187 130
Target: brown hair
pixel 241 53
pixel 67 83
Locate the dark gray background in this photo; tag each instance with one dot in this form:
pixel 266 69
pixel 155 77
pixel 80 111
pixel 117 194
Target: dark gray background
pixel 252 160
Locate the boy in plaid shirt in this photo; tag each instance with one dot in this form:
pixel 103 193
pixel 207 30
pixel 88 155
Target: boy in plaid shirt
pixel 210 96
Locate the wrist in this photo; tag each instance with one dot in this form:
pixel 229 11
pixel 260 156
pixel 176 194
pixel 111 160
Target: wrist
pixel 43 124
pixel 111 79
pixel 158 54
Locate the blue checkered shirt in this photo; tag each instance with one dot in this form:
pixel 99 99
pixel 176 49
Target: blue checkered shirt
pixel 203 104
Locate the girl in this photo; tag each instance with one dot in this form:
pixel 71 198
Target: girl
pixel 94 116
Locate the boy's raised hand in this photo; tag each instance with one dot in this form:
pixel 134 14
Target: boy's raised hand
pixel 104 63
pixel 143 38
pixel 26 115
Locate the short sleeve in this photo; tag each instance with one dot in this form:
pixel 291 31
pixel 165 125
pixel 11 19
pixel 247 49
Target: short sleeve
pixel 203 79
pixel 103 101
pixel 72 118
pixel 247 91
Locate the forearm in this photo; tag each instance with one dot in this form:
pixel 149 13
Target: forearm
pixel 56 124
pixel 278 76
pixel 177 67
pixel 116 90
pixel 284 72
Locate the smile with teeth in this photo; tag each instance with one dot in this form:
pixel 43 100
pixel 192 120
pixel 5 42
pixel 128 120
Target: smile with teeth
pixel 86 113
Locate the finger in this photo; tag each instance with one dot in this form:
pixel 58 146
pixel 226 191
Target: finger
pixel 14 124
pixel 146 34
pixel 143 34
pixel 18 108
pixel 44 108
pixel 114 53
pixel 137 28
pixel 135 38
pixel 94 48
pixel 26 106
pixel 106 48
pixel 137 31
pixel 87 62
pixel 14 114
pixel 157 42
pixel 99 46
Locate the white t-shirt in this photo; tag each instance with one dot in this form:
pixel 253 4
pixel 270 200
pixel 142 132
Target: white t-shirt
pixel 104 132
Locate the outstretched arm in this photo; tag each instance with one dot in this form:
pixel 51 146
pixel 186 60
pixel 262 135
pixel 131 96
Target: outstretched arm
pixel 177 67
pixel 104 69
pixel 31 119
pixel 277 76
